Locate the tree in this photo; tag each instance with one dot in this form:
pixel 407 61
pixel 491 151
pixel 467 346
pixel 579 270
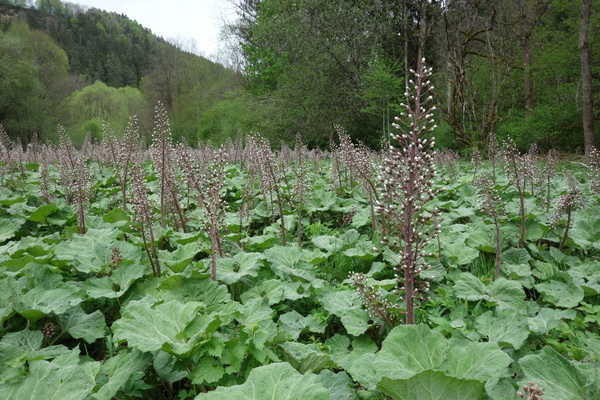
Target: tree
pixel 311 58
pixel 51 60
pixel 528 13
pixel 24 109
pixel 586 77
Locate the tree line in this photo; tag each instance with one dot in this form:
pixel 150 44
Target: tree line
pixel 516 68
pixel 519 69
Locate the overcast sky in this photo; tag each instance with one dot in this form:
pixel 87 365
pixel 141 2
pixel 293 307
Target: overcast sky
pixel 195 21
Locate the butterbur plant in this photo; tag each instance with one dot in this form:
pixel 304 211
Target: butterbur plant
pixel 566 204
pixel 75 177
pixel 358 159
pixel 300 189
pixel 208 180
pixel 270 173
pixel 123 153
pixel 162 154
pixel 406 182
pixel 143 215
pixel 491 205
pixel 517 169
pixel 548 173
pixel 594 170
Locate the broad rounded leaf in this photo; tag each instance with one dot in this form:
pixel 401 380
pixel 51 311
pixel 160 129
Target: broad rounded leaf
pixel 503 327
pixel 548 319
pixel 557 375
pixel 39 302
pixel 561 294
pixel 80 325
pixel 406 351
pixel 119 369
pixel 432 385
pixel 51 381
pixel 274 381
pixel 163 326
pixel 478 361
pixel 232 270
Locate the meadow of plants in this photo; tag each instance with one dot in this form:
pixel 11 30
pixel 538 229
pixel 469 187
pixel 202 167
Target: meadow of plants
pixel 173 272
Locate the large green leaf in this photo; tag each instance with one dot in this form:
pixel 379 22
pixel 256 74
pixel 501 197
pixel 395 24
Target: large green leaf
pixel 363 249
pixel 561 294
pixel 18 348
pixel 92 252
pixel 178 259
pixel 347 305
pixel 516 256
pixel 548 319
pixel 116 284
pixel 118 370
pixel 406 351
pixel 432 385
pixel 80 325
pixel 256 318
pixel 506 293
pixel 8 228
pixel 340 384
pixel 149 327
pixel 344 351
pixel 293 323
pixel 478 361
pixel 242 265
pixel 557 375
pixel 328 243
pixel 469 287
pixel 503 327
pixel 288 256
pixel 459 253
pixel 585 231
pixel 306 357
pixel 40 301
pixel 274 381
pixel 60 379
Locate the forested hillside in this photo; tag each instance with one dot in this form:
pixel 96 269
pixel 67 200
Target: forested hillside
pixel 69 65
pixel 524 69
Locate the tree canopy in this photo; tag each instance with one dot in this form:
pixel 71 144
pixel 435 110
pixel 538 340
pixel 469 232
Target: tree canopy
pixel 525 70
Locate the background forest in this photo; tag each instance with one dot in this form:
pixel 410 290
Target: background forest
pixel 508 67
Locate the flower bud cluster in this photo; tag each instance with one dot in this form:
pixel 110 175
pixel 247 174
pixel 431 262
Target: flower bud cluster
pixel 48 330
pixel 356 158
pixel 549 172
pixel 378 307
pixel 115 257
pixel 568 201
pixel 594 170
pixel 531 391
pixel 489 197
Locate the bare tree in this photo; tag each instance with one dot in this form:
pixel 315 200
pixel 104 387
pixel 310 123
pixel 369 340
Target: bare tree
pixel 586 77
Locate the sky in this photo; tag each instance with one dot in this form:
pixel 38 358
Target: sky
pixel 184 21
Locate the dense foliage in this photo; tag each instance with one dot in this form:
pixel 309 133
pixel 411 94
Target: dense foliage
pixel 235 272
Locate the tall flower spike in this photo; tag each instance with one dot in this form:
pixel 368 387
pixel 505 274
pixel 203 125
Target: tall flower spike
pixel 406 182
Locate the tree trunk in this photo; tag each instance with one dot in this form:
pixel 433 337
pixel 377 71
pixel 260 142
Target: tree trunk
pixel 527 66
pixel 586 77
